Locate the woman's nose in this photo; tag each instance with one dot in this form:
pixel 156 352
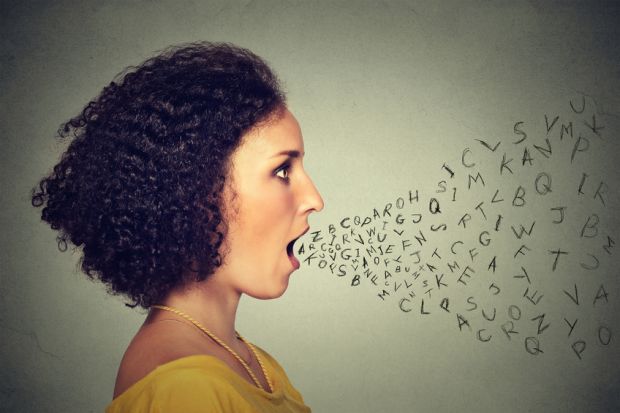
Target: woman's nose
pixel 312 198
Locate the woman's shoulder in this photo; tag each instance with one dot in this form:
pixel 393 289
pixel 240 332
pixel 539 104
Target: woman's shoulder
pixel 170 360
pixel 200 382
pixel 154 346
pixel 191 383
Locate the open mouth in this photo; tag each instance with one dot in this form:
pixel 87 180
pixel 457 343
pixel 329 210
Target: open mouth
pixel 290 250
pixel 291 254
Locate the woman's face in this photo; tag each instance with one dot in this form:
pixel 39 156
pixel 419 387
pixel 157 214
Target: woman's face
pixel 268 204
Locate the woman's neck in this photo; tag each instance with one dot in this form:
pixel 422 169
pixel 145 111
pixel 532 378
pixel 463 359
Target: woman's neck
pixel 213 307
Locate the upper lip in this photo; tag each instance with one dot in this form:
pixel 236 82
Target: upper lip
pixel 300 235
pixel 303 233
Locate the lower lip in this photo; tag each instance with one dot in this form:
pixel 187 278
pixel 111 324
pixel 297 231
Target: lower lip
pixel 294 261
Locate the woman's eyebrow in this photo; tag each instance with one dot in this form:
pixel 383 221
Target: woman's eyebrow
pixel 290 153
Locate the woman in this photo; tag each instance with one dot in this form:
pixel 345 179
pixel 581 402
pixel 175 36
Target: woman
pixel 184 187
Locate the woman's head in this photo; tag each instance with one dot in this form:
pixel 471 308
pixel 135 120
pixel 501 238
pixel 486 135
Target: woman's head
pixel 268 206
pixel 140 186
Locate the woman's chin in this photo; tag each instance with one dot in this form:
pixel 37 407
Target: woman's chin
pixel 275 292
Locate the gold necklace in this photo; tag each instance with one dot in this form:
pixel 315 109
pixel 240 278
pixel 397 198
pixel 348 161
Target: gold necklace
pixel 225 346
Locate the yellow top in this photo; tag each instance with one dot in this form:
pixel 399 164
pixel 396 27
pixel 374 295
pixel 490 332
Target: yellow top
pixel 205 384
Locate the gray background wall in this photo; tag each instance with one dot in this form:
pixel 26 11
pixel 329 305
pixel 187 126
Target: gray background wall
pixel 386 93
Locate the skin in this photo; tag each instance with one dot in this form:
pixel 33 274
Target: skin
pixel 266 203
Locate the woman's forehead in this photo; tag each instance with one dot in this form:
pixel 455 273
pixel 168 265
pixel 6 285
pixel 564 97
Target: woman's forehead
pixel 281 136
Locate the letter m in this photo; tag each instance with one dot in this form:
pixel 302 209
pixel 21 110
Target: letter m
pixel 474 179
pixel 382 294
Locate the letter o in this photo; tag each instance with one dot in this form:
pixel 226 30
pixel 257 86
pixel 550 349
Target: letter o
pixel 511 309
pixel 600 338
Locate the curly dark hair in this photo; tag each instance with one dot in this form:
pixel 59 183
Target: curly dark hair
pixel 139 187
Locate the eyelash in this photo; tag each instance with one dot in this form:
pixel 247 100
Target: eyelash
pixel 283 168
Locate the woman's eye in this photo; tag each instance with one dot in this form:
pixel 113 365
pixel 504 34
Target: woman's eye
pixel 282 172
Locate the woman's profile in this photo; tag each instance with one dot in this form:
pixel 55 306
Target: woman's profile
pixel 183 186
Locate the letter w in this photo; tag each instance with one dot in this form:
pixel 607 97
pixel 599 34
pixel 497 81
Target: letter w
pixel 523 230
